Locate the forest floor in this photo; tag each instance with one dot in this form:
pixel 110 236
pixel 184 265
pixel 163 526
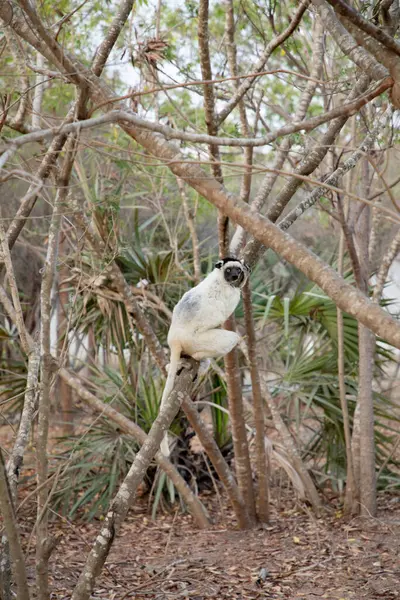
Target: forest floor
pixel 295 557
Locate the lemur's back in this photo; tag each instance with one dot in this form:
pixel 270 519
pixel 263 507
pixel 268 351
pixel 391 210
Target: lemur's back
pixel 206 306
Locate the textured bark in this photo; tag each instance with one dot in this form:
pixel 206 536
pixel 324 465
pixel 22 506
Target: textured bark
pixel 126 493
pixel 313 158
pixel 209 116
pixel 351 496
pixel 11 529
pixel 16 457
pixel 366 341
pixel 258 407
pixel 113 31
pixel 12 282
pixel 363 59
pixel 357 19
pixel 191 501
pixel 244 124
pixel 366 344
pixel 38 93
pixel 239 435
pixel 386 57
pixel 333 179
pixel 309 163
pixel 65 400
pixel 18 121
pixel 15 461
pixel 46 376
pixel 213 452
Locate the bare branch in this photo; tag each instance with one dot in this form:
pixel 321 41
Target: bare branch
pixel 273 44
pixel 214 453
pixel 342 8
pixel 347 44
pixel 16 457
pixel 335 177
pixel 10 526
pixel 209 113
pixel 113 32
pixel 12 282
pixel 119 116
pixel 126 493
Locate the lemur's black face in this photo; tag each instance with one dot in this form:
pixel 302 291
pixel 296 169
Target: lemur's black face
pixel 234 271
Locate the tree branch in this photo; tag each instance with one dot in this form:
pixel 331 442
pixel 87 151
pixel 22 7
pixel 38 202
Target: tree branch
pixel 120 116
pixel 347 43
pixel 342 8
pixel 273 44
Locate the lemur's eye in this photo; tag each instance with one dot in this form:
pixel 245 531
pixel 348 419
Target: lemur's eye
pixel 228 270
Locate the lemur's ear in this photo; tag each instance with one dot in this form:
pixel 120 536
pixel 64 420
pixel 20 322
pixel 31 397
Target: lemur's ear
pixel 219 264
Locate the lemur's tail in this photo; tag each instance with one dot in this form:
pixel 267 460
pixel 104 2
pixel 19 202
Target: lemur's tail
pixel 169 385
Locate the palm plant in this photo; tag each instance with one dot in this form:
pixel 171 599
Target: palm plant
pixel 306 384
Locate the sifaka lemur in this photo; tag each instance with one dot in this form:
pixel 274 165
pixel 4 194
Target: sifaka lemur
pixel 196 319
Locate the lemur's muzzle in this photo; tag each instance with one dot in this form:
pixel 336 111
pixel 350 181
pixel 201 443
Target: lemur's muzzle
pixel 234 276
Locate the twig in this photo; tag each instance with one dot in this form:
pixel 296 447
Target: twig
pixel 199 82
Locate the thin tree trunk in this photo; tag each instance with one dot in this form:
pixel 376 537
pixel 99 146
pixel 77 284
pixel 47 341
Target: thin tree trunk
pixel 366 341
pixel 193 504
pixel 366 344
pixel 214 454
pixel 239 436
pixel 64 391
pixel 11 529
pixel 258 407
pixel 46 376
pixel 126 493
pixel 209 108
pixel 350 501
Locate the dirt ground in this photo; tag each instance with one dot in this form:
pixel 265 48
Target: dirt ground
pixel 296 557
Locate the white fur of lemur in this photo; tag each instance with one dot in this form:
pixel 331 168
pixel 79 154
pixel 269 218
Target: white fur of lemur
pixel 196 319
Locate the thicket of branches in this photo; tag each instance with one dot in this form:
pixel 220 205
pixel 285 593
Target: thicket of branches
pixel 138 143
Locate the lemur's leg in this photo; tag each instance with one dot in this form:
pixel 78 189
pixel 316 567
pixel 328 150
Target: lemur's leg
pixel 214 343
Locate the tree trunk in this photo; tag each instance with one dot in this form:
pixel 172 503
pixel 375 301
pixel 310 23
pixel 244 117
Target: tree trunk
pixel 262 460
pixel 240 446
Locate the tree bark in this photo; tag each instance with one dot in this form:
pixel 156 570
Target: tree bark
pixel 126 493
pixel 262 460
pixel 10 526
pixel 239 435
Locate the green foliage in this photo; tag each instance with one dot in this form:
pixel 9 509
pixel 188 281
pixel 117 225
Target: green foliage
pixel 307 386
